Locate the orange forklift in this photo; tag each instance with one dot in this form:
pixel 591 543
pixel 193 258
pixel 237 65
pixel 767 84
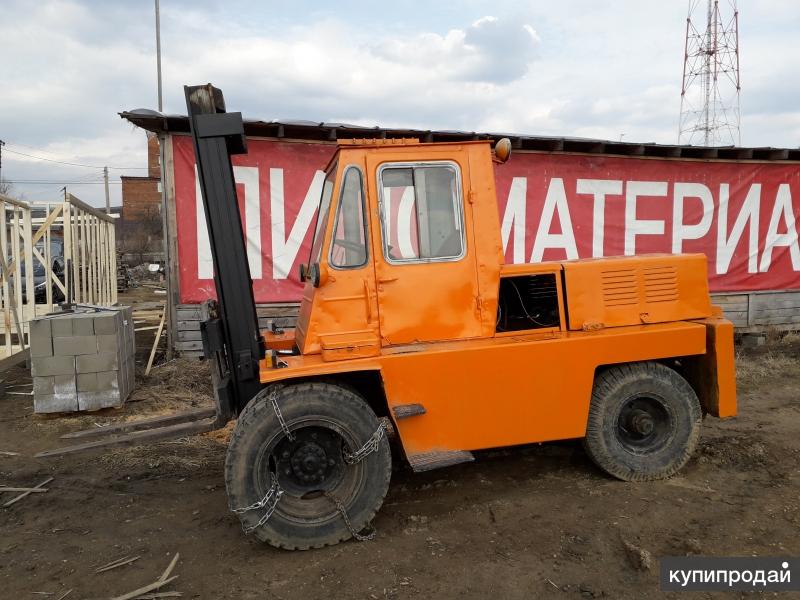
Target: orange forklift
pixel 412 327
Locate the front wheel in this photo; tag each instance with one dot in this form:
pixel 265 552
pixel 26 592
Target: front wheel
pixel 644 421
pixel 308 459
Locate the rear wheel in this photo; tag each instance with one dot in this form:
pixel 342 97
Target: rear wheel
pixel 644 421
pixel 326 423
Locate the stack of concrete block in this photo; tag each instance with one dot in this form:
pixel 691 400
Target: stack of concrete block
pixel 82 360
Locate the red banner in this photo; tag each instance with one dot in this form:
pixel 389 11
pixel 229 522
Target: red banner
pixel 742 215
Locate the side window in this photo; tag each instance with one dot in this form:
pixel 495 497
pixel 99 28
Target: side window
pixel 422 213
pixel 349 246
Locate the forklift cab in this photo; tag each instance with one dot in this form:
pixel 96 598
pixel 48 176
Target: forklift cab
pixel 395 259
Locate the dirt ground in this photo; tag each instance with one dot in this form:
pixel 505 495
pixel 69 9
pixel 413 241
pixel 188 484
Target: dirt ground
pixel 532 522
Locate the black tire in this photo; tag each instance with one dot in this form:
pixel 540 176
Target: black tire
pixel 644 421
pixel 305 517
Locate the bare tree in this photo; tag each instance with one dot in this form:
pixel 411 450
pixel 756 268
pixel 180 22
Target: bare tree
pixel 142 236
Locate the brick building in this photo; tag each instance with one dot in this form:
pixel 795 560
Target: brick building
pixel 140 228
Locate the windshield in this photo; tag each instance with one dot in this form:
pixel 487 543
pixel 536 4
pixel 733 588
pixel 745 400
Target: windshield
pixel 322 215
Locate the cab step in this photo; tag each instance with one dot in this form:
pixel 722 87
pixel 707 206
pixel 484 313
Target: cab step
pixel 428 461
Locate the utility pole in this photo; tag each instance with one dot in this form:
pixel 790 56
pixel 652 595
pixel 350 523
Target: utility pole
pixel 158 55
pixel 2 143
pixel 108 198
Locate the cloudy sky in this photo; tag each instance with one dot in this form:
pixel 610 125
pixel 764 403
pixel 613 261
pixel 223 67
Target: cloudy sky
pixel 551 67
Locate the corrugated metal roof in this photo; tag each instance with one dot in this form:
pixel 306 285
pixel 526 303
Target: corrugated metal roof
pixel 154 121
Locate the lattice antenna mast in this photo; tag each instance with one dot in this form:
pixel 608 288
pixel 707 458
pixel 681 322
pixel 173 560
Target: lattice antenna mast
pixel 710 114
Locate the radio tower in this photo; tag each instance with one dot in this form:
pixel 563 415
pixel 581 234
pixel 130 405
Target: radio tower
pixel 711 86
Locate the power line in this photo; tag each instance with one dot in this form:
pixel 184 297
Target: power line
pixel 72 164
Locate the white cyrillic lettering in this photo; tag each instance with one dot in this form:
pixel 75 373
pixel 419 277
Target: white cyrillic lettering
pixel 782 210
pixel 759 577
pixel 284 249
pixel 747 576
pixel 682 231
pixel 599 188
pixel 727 245
pixel 785 576
pixel 205 262
pixel 673 577
pixel 734 577
pixel 633 226
pixel 686 577
pixel 514 216
pixel 722 576
pixel 248 177
pixel 555 202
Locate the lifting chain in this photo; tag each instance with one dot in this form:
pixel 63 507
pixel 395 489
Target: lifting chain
pixel 372 445
pixel 340 507
pixel 270 501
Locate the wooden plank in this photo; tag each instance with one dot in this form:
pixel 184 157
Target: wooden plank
pixel 772 302
pixel 89 210
pixel 26 494
pixel 155 343
pixel 4 299
pixel 147 588
pixel 189 336
pixel 28 310
pixel 189 346
pixel 777 310
pixel 780 320
pixel 170 226
pixel 173 419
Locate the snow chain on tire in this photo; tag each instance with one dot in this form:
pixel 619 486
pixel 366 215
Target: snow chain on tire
pixel 274 493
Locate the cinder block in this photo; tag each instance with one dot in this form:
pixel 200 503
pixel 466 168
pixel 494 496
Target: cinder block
pixel 62 326
pixel 41 338
pixel 65 385
pixel 98 400
pixel 42 386
pixel 107 343
pixel 93 363
pixel 82 324
pixel 107 322
pixel 87 382
pixel 99 382
pixel 55 403
pixel 74 345
pixel 53 365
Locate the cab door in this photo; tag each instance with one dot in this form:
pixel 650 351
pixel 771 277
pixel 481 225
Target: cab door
pixel 425 269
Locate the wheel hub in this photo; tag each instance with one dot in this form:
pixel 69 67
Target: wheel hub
pixel 311 462
pixel 642 422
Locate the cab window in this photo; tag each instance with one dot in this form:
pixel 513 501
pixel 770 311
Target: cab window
pixel 349 245
pixel 322 215
pixel 421 213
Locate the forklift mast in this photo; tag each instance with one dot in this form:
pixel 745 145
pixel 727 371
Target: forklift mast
pixel 230 330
